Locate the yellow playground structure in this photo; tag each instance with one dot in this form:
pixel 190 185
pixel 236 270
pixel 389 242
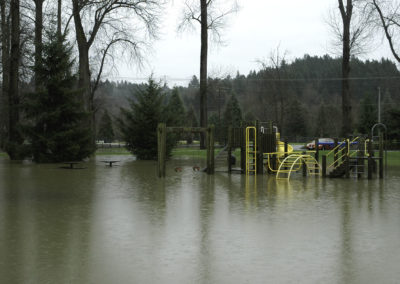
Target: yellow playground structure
pixel 280 145
pixel 283 161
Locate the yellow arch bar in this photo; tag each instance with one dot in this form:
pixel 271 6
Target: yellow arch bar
pixel 294 162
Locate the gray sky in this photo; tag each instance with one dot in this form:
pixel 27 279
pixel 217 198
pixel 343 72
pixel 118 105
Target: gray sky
pixel 296 26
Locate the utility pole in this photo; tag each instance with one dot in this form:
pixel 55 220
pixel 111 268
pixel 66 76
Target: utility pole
pixel 379 104
pixel 219 107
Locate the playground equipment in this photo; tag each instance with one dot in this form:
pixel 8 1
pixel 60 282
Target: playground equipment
pixel 349 157
pixel 280 145
pixel 295 162
pixel 262 151
pixel 162 130
pixel 251 150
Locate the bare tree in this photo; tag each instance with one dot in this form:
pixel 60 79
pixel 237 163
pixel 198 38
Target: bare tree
pixel 274 74
pixel 16 65
pixel 38 37
pixel 14 138
pixel 211 17
pixel 352 33
pixel 346 14
pixel 59 17
pixel 110 21
pixel 389 19
pixel 5 59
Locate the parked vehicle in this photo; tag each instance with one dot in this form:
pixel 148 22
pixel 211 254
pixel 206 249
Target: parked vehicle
pixel 323 144
pixel 326 144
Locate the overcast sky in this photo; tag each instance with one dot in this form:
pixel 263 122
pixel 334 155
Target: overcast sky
pixel 296 26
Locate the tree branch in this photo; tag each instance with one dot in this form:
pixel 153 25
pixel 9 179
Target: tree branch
pixel 386 29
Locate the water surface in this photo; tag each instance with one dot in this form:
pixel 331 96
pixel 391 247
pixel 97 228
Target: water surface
pixel 124 225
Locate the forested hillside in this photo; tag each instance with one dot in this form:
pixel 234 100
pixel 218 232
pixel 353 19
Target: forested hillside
pixel 301 97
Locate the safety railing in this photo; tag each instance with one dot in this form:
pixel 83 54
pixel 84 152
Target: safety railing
pixel 341 151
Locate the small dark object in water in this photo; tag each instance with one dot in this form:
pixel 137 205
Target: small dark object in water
pixel 233 160
pixel 196 168
pixel 178 169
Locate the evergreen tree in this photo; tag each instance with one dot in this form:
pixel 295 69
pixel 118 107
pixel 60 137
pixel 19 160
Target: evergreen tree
pixel 393 124
pixel 296 123
pixel 190 121
pixel 191 118
pixel 368 115
pixel 233 113
pixel 220 128
pixel 321 129
pixel 175 110
pixel 57 130
pixel 174 115
pixel 139 123
pixel 232 117
pixel 106 131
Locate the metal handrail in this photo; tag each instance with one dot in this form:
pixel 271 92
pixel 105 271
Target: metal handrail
pixel 341 155
pixel 366 147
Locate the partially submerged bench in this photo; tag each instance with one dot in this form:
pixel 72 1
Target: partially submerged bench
pixel 110 163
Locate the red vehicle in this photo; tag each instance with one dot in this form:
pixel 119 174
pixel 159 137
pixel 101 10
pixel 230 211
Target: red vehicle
pixel 323 144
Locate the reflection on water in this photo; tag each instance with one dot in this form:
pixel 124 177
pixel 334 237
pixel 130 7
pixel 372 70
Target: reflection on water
pixel 123 225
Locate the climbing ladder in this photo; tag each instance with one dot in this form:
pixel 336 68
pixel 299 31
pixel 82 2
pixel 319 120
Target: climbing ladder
pixel 295 162
pixel 343 156
pixel 251 150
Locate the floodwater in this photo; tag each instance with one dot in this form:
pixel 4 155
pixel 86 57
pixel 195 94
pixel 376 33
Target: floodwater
pixel 124 225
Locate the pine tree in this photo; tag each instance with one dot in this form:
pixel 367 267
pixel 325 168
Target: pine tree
pixel 232 117
pixel 296 123
pixel 367 115
pixel 57 130
pixel 233 113
pixel 393 124
pixel 191 121
pixel 138 124
pixel 321 130
pixel 174 115
pixel 106 131
pixel 175 110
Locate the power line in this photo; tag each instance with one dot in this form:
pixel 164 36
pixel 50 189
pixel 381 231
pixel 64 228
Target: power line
pixel 166 78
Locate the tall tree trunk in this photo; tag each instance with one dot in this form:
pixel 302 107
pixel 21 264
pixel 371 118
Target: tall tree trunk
pixel 59 5
pixel 346 95
pixel 203 69
pixel 84 69
pixel 14 138
pixel 83 50
pixel 5 59
pixel 38 38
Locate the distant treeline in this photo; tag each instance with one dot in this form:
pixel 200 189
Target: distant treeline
pixel 302 97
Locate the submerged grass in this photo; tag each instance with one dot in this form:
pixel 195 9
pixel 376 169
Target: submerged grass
pixel 112 151
pixel 393 156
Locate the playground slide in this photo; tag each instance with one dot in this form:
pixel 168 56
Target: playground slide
pixel 280 145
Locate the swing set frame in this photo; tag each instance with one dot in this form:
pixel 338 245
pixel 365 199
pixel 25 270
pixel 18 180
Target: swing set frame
pixel 162 131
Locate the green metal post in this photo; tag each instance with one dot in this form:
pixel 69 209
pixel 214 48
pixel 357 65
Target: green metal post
pixel 335 155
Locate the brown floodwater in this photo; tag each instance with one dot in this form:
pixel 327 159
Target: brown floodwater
pixel 121 224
